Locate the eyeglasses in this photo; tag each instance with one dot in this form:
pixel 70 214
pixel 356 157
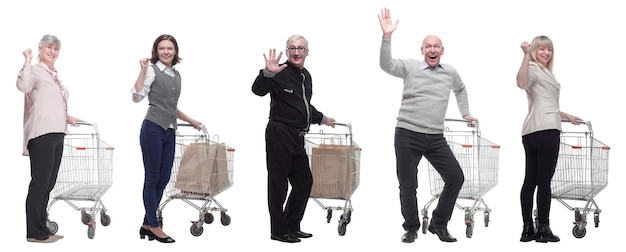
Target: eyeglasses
pixel 300 49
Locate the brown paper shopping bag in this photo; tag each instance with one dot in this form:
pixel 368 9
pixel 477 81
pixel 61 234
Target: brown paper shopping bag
pixel 219 178
pixel 203 169
pixel 333 171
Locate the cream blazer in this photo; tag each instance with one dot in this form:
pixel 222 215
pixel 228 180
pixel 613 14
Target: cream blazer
pixel 542 92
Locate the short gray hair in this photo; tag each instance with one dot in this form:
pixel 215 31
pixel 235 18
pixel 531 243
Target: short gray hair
pixel 49 40
pixel 296 37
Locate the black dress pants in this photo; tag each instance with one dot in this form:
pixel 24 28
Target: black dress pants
pixel 45 154
pixel 287 165
pixel 410 147
pixel 542 152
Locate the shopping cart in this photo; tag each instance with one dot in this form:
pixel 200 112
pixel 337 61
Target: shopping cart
pixel 334 158
pixel 478 158
pixel 203 168
pixel 85 174
pixel 581 173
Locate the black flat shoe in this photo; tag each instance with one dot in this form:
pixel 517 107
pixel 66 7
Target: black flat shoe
pixel 409 236
pixel 289 238
pixel 143 233
pixel 301 234
pixel 152 236
pixel 442 232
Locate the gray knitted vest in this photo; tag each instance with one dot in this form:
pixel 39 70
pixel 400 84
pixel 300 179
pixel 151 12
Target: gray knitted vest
pixel 163 99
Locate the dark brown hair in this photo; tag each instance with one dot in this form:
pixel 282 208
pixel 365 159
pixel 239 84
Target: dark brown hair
pixel 155 55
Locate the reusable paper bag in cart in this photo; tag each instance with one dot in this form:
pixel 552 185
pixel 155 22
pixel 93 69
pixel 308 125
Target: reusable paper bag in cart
pixel 203 169
pixel 334 171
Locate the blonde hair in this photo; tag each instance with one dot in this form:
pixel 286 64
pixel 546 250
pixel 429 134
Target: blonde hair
pixel 540 41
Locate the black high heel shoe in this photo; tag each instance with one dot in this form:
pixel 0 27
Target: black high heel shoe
pixel 143 233
pixel 152 236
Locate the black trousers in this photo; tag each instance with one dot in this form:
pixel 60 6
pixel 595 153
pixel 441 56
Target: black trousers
pixel 542 151
pixel 410 147
pixel 287 164
pixel 45 158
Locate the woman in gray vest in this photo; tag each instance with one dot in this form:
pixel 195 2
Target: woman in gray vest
pixel 161 83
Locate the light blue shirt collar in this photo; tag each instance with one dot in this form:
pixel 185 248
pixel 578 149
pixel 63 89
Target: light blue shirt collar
pixel 426 66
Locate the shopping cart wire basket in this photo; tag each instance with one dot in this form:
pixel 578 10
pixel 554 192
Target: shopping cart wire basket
pixel 479 160
pixel 334 158
pixel 581 173
pixel 85 174
pixel 203 168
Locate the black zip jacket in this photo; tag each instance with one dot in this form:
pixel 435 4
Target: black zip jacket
pixel 290 91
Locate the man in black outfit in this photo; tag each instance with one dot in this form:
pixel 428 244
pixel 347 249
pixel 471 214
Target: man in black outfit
pixel 291 113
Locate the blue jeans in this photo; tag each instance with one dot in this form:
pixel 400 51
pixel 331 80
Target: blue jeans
pixel 157 147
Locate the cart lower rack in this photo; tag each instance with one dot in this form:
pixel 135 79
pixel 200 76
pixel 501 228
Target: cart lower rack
pixel 203 168
pixel 478 158
pixel 85 174
pixel 334 158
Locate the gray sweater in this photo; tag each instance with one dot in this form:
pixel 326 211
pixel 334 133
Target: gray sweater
pixel 426 92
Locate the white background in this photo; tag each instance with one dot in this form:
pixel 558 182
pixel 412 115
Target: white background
pixel 222 46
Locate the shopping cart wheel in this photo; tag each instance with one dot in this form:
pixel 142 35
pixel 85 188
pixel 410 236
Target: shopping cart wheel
pixel 91 231
pixel 53 227
pixel 329 215
pixel 469 230
pixel 196 230
pixel 424 224
pixel 348 216
pixel 578 216
pixel 579 232
pixel 596 218
pixel 341 229
pixel 85 217
pixel 208 218
pixel 224 218
pixel 105 219
pixel 486 218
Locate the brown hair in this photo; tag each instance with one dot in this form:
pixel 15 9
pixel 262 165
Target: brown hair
pixel 155 55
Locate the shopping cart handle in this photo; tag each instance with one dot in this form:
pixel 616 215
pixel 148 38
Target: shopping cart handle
pixel 82 123
pixel 457 120
pixel 462 120
pixel 202 127
pixel 578 121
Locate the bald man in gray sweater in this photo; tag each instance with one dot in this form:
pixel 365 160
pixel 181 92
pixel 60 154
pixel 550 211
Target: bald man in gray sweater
pixel 420 127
